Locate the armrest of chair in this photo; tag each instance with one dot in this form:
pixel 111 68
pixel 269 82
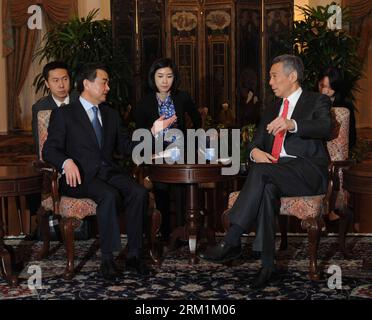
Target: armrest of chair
pixel 50 181
pixel 335 167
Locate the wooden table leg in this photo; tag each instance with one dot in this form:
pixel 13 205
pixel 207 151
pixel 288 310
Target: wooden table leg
pixel 5 261
pixel 192 229
pixel 192 219
pixel 19 212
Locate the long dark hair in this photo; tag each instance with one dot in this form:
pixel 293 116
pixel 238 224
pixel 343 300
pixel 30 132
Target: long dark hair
pixel 163 63
pixel 337 84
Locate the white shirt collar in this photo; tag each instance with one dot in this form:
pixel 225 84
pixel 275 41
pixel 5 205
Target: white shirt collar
pixel 86 104
pixel 294 96
pixel 58 103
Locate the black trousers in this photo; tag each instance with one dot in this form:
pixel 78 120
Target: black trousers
pixel 162 193
pixel 110 189
pixel 259 200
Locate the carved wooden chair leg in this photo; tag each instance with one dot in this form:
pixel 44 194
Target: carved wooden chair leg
pixel 225 220
pixel 313 227
pixel 6 267
pixel 68 231
pixel 43 220
pixel 283 226
pixel 154 231
pixel 346 216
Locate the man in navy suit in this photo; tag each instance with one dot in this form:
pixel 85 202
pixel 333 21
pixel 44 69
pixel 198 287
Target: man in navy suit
pixel 82 139
pixel 57 79
pixel 290 159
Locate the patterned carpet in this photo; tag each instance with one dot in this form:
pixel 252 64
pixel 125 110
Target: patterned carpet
pixel 176 279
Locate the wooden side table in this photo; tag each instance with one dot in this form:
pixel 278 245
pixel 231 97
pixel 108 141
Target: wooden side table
pixel 15 181
pixel 190 175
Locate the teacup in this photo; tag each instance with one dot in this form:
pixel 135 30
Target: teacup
pixel 210 154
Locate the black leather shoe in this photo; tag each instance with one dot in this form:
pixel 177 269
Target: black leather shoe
pixel 222 252
pixel 264 277
pixel 109 271
pixel 137 265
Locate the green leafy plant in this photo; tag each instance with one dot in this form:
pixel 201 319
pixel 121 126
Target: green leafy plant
pixel 246 135
pixel 320 47
pixel 83 40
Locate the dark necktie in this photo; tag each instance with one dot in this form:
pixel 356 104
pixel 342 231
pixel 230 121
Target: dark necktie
pixel 279 137
pixel 97 126
pixel 62 104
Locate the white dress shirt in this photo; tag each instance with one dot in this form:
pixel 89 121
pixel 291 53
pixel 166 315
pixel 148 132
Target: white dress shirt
pixel 293 98
pixel 58 103
pixel 88 109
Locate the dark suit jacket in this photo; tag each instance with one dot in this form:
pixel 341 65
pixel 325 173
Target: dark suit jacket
pixel 312 114
pixel 45 103
pixel 71 135
pixel 147 111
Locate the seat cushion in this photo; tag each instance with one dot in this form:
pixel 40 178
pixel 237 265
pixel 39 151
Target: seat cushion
pixel 300 207
pixel 72 207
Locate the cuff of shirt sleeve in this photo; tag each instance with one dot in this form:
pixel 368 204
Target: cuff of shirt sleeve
pixel 295 127
pixel 63 165
pixel 250 156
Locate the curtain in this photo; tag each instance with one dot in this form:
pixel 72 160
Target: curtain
pixel 361 23
pixel 19 44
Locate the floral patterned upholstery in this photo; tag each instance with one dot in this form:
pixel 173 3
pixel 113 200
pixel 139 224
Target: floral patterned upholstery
pixel 68 207
pixel 338 148
pixel 300 207
pixel 42 127
pixel 72 207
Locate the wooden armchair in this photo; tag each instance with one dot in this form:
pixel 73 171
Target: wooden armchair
pixel 311 209
pixel 70 210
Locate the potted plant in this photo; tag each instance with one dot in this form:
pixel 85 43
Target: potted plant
pixel 83 40
pixel 320 47
pixel 246 135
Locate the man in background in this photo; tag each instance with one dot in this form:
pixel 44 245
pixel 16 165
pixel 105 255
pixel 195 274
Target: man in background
pixel 57 79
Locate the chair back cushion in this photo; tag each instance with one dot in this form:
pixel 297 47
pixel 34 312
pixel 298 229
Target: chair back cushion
pixel 338 147
pixel 43 117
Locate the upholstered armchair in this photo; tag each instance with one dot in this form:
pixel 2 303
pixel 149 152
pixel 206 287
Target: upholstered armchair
pixel 311 209
pixel 69 210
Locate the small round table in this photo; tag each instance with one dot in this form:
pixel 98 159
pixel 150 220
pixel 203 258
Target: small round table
pixel 190 175
pixel 15 181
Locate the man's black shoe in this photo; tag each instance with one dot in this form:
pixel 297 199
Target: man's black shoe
pixel 264 277
pixel 137 265
pixel 109 271
pixel 222 252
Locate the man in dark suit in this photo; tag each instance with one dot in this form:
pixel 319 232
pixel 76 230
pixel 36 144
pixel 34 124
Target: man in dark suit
pixel 57 79
pixel 290 159
pixel 82 138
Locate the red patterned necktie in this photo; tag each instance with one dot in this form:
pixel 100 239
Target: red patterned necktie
pixel 279 137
